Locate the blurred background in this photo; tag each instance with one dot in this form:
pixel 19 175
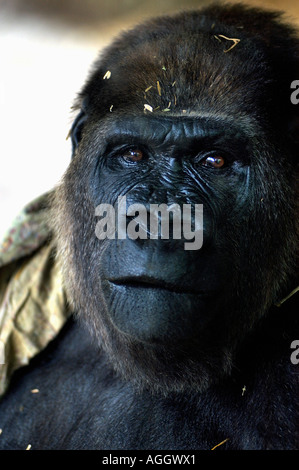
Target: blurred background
pixel 46 50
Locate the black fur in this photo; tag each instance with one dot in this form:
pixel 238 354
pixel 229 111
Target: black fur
pixel 182 349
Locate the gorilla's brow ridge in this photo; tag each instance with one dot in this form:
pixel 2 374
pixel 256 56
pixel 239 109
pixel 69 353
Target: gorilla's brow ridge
pixel 186 130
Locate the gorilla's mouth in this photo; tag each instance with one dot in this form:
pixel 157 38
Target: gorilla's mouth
pixel 149 282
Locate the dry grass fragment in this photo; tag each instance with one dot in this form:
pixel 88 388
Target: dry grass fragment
pixel 159 88
pixel 278 304
pixel 220 444
pixel 107 75
pixel 69 134
pixel 149 108
pixel 235 41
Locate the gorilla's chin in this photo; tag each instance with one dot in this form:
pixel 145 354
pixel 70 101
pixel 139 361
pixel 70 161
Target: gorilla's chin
pixel 189 366
pixel 169 351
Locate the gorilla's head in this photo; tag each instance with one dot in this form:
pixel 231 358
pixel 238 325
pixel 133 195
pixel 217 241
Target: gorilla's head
pixel 192 109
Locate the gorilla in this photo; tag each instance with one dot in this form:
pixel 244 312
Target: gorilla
pixel 168 347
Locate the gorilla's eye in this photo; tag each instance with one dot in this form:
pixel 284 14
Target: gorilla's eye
pixel 214 161
pixel 133 155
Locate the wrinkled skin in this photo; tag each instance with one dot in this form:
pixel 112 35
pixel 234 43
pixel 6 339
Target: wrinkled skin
pixel 165 338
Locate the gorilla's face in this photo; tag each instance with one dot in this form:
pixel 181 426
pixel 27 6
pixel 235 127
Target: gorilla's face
pixel 170 317
pixel 164 290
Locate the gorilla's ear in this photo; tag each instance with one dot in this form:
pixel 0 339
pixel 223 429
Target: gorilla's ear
pixel 76 130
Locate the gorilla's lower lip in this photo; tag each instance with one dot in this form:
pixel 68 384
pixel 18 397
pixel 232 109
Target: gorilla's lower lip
pixel 154 283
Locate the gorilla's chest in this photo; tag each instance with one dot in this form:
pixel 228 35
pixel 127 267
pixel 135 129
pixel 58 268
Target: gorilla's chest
pixel 70 399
